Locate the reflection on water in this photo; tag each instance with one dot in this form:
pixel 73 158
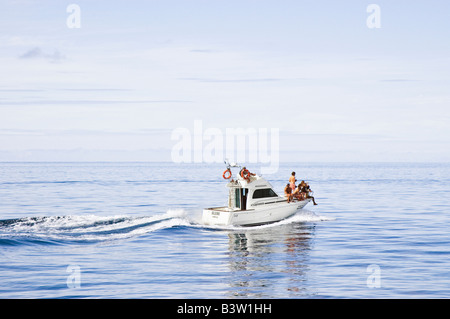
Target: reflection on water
pixel 270 261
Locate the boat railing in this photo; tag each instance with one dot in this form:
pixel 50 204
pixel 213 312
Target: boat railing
pixel 278 200
pixel 271 201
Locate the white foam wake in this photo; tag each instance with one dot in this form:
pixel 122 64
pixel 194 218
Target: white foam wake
pixel 90 227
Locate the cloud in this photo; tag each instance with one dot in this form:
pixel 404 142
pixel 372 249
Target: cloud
pixel 399 80
pixel 203 51
pixel 211 80
pixel 37 53
pixel 97 102
pixel 85 132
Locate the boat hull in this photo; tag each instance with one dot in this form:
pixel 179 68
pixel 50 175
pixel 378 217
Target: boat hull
pixel 224 216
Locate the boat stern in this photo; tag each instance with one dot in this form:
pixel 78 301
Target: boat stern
pixel 217 216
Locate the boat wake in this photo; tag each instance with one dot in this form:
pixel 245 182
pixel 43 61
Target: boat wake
pixel 85 228
pixel 91 228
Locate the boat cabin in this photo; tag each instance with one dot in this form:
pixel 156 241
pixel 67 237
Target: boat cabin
pixel 246 194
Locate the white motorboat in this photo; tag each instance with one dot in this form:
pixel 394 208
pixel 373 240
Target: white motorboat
pixel 251 201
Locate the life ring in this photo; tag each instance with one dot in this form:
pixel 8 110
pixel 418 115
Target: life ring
pixel 224 173
pixel 245 174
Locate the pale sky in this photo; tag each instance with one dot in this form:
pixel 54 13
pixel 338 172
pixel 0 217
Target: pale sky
pixel 116 88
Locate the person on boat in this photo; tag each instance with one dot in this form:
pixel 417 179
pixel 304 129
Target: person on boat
pixel 298 193
pixel 292 180
pixel 306 190
pixel 288 192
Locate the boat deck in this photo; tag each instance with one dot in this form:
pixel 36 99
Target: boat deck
pixel 227 209
pixel 276 201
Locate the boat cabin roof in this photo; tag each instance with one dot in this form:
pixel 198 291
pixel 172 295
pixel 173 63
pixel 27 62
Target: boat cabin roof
pixel 255 182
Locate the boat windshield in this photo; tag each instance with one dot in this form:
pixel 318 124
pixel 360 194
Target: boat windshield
pixel 264 193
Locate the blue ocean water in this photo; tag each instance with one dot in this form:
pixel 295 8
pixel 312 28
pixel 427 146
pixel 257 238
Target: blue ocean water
pixel 133 230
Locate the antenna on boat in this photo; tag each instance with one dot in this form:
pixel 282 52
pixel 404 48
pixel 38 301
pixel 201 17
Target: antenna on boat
pixel 227 162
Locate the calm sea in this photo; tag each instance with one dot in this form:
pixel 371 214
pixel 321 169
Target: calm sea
pixel 133 230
